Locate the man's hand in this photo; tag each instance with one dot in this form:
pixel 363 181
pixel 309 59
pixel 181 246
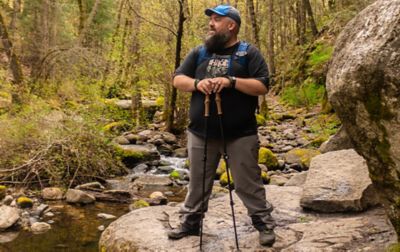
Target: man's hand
pixel 213 85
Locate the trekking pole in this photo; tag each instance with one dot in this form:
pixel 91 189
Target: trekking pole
pixel 206 116
pixel 225 156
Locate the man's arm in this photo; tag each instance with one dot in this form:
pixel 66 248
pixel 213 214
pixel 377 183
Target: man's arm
pixel 187 84
pixel 248 86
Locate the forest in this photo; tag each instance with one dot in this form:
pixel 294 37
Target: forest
pixel 77 76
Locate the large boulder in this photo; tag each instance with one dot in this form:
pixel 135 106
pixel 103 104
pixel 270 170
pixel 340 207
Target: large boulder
pixel 132 154
pixel 363 85
pixel 338 181
pixel 145 229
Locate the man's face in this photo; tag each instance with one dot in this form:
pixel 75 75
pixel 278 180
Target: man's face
pixel 220 32
pixel 218 24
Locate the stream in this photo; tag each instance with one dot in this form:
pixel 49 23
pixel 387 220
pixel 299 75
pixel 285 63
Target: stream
pixel 75 228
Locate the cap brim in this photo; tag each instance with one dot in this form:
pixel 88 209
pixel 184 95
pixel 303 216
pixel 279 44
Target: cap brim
pixel 209 12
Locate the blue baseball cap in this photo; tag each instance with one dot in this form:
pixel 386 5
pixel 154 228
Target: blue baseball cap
pixel 225 11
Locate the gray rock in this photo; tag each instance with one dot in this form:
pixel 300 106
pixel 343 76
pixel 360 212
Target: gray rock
pixel 180 152
pixel 6 237
pixel 339 141
pixel 95 186
pixel 101 228
pixel 40 209
pixel 141 168
pixel 169 137
pixel 106 216
pixel 124 104
pixel 40 227
pixel 134 154
pixel 296 229
pixel 121 140
pixel 52 193
pixel 8 216
pixel 150 181
pixel 7 200
pixel 297 180
pixel 363 85
pixel 79 197
pixel 338 181
pixel 278 180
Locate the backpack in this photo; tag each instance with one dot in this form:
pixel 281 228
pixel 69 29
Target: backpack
pixel 239 55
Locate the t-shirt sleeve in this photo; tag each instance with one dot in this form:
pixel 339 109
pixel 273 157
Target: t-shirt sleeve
pixel 188 66
pixel 258 68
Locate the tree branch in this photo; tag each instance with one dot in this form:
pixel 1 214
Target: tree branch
pixel 151 22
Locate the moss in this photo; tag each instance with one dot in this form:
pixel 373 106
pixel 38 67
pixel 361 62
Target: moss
pixel 140 204
pixel 128 154
pixel 394 248
pixel 223 180
pixel 318 141
pixel 24 202
pixel 260 120
pixel 265 177
pixel 116 126
pixel 304 155
pixel 3 190
pixel 160 101
pixel 175 174
pixel 187 164
pixel 268 158
pixel 320 55
pixel 221 168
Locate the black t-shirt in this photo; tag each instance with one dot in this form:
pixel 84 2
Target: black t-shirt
pixel 238 108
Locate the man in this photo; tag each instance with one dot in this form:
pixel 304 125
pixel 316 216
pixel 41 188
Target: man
pixel 238 72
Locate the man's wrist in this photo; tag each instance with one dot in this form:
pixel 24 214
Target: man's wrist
pixel 196 82
pixel 232 81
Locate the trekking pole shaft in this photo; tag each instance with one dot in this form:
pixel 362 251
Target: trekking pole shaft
pixel 225 155
pixel 207 106
pixel 218 101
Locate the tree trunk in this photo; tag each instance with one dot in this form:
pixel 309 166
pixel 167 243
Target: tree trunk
pixel 82 16
pixel 254 26
pixel 313 25
pixel 88 22
pixel 15 65
pixel 171 109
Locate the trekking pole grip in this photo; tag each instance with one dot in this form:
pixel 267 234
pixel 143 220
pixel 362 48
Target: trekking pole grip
pixel 207 106
pixel 218 101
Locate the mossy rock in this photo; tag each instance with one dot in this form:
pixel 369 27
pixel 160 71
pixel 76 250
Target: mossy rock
pixel 24 202
pixel 132 154
pixel 223 180
pixel 160 101
pixel 175 175
pixel 268 158
pixel 301 156
pixel 116 126
pixel 318 141
pixel 394 248
pixel 265 177
pixel 3 191
pixel 260 120
pixel 139 204
pixel 221 168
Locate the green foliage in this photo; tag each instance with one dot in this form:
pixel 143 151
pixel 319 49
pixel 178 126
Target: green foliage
pixel 309 94
pixel 140 204
pixel 265 177
pixel 223 180
pixel 3 191
pixel 320 55
pixel 260 120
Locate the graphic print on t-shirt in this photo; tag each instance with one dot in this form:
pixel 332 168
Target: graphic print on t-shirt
pixel 218 66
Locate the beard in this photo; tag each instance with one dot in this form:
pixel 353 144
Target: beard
pixel 216 42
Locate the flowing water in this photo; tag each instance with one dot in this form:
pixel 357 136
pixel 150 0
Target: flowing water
pixel 74 228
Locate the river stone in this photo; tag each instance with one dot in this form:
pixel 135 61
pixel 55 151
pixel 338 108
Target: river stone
pixel 52 193
pixel 297 179
pixel 300 157
pixel 146 229
pixel 338 181
pixel 363 85
pixel 106 216
pixel 132 153
pixel 152 180
pixel 6 237
pixel 181 152
pixel 339 141
pixel 8 216
pixel 79 197
pixel 95 186
pixel 40 227
pixel 7 200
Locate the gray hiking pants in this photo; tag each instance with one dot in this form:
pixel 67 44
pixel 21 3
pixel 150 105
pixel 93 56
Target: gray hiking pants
pixel 243 165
